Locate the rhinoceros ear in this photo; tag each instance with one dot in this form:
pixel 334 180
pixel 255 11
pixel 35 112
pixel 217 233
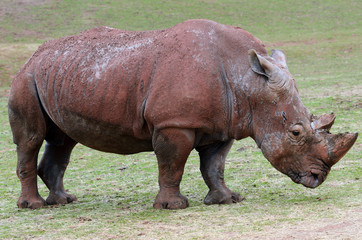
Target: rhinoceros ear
pixel 259 64
pixel 279 57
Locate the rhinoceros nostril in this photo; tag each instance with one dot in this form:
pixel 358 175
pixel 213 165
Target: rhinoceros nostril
pixel 316 181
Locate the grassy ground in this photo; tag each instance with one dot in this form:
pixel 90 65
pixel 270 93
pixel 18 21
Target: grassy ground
pixel 323 43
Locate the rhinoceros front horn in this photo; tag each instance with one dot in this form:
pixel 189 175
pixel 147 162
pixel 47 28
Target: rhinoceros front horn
pixel 338 146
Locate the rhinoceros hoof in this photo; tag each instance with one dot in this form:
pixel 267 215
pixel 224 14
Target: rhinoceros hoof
pixel 60 198
pixel 32 203
pixel 175 202
pixel 218 197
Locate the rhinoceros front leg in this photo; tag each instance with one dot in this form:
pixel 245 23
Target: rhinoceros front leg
pixel 172 148
pixel 212 165
pixel 52 167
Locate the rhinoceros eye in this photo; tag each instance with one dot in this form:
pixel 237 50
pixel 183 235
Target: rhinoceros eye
pixel 295 133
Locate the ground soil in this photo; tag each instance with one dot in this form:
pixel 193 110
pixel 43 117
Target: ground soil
pixel 346 226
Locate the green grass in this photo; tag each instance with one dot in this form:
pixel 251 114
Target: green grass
pixel 272 20
pixel 322 41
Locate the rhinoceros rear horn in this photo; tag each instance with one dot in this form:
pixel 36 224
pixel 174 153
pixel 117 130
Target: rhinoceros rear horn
pixel 259 64
pixel 325 121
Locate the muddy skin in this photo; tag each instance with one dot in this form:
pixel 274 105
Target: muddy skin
pixel 198 85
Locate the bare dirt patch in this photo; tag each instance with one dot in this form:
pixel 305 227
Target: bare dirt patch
pixel 346 226
pixel 293 43
pixel 357 91
pixel 18 11
pixel 16 8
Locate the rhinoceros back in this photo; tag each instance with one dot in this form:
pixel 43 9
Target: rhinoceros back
pixel 109 87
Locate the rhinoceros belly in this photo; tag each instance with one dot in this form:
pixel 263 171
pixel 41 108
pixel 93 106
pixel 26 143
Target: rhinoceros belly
pixel 108 138
pixel 101 135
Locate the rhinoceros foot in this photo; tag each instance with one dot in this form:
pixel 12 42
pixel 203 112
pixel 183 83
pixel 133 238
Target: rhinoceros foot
pixel 32 203
pixel 218 197
pixel 166 200
pixel 60 198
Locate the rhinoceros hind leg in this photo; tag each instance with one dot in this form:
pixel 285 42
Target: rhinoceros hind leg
pixel 26 171
pixel 172 148
pixel 32 203
pixel 52 167
pixel 28 126
pixel 212 165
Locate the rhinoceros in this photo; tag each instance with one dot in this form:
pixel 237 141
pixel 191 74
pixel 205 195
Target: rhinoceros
pixel 198 85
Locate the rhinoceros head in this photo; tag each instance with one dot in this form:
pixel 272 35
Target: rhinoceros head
pixel 293 140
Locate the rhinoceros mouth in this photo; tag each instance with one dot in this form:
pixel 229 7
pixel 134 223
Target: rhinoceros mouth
pixel 311 181
pixel 308 179
pixel 314 176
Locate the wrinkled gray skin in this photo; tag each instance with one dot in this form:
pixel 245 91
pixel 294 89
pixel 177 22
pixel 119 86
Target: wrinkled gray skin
pixel 198 85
